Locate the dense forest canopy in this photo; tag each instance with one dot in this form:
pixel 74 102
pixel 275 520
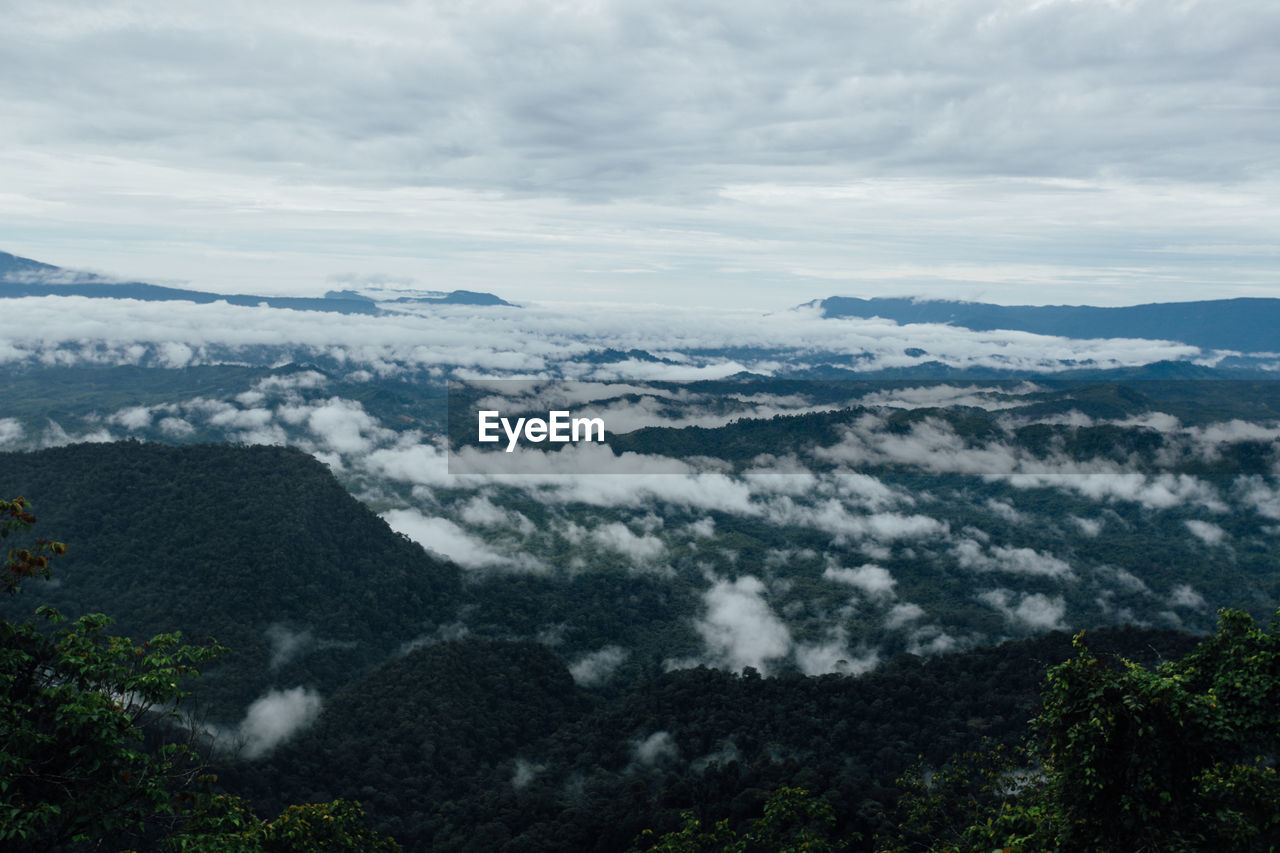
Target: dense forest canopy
pixel 546 663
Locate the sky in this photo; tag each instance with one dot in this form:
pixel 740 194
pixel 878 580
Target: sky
pixel 741 154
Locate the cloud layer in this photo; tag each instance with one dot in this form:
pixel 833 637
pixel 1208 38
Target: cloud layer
pixel 650 151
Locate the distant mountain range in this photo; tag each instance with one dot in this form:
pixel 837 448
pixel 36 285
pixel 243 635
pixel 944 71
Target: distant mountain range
pixel 24 277
pixel 1244 325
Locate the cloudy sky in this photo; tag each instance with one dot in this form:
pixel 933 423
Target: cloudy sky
pixel 753 154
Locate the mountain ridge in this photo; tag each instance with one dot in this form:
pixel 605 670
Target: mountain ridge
pixel 1244 324
pixel 21 277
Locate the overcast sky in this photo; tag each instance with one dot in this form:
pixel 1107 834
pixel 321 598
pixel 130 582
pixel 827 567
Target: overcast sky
pixel 754 154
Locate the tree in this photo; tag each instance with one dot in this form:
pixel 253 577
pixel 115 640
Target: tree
pixel 24 563
pixel 88 749
pixel 981 800
pixel 226 824
pixel 95 745
pixel 793 821
pixel 1176 758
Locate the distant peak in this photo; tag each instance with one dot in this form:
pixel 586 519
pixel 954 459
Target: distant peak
pixel 1245 324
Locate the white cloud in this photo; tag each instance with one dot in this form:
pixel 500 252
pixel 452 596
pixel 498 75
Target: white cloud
pixel 524 772
pixel 873 580
pixel 704 491
pixel 867 490
pixel 1206 531
pixel 596 668
pixel 535 339
pixel 1031 610
pixel 928 396
pixel 10 430
pixel 174 354
pixel 1028 561
pixel 1127 580
pixel 231 417
pixel 482 512
pixel 285 384
pixel 1004 510
pixel 132 418
pixel 1090 527
pixel 445 538
pixel 834 517
pixel 286 644
pixel 903 613
pixel 657 748
pixel 55 436
pixel 739 629
pixel 275 717
pixel 726 157
pixel 703 528
pixel 1264 499
pixel 833 656
pixel 1213 436
pixel 1184 596
pixel 419 463
pixel 344 426
pixel 176 427
pixel 616 536
pixel 1161 491
pixel 931 640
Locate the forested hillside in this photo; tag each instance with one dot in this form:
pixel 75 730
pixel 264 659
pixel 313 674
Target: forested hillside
pixel 257 547
pixel 568 705
pixel 1238 324
pixel 483 746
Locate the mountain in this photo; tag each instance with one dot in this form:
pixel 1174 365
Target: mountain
pixel 21 277
pixel 463 711
pixel 453 297
pixel 478 745
pixel 12 266
pixel 258 547
pixel 1245 325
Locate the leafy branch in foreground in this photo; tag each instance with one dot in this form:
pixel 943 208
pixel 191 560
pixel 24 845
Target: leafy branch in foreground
pixel 94 746
pixel 1177 758
pixel 793 821
pixel 24 563
pixel 88 721
pixel 226 824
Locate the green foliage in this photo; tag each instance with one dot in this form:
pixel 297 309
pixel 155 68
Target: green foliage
pixel 226 824
pixel 87 725
pixel 23 564
pixel 74 761
pixel 433 742
pixel 95 746
pixel 228 542
pixel 793 821
pixel 975 801
pixel 1179 757
pixel 1176 758
pixel 689 838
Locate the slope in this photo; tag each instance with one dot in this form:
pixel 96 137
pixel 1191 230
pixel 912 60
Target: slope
pixel 258 547
pixel 1246 325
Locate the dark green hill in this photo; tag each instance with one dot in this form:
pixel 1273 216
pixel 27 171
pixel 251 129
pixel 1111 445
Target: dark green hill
pixel 258 547
pixel 424 730
pixel 21 277
pixel 480 745
pixel 12 266
pixel 1246 325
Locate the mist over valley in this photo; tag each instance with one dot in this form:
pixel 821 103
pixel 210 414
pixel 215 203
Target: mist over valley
pixel 880 503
